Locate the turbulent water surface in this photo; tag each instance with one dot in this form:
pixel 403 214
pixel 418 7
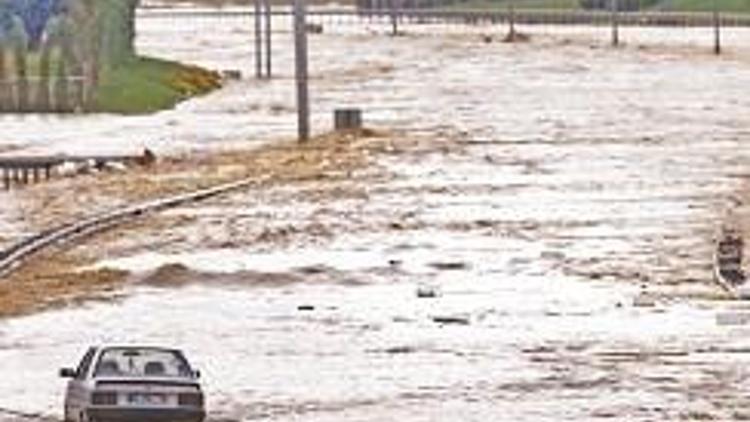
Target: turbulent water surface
pixel 583 173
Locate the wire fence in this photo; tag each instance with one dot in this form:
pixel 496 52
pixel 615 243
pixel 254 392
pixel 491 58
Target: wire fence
pixel 668 23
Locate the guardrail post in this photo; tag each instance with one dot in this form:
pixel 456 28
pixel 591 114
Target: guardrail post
pixel 300 54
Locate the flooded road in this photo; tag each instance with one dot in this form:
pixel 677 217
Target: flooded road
pixel 575 176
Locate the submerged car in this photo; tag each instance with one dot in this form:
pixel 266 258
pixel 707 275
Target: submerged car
pixel 143 384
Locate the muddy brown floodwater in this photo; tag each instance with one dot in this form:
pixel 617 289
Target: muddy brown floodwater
pixel 556 199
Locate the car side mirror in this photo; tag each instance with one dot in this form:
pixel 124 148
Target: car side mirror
pixel 68 373
pixel 197 373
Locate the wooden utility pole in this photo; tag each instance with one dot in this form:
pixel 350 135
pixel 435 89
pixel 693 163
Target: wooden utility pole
pixel 300 54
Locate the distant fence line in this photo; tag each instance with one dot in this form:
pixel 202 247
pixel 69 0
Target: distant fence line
pixel 463 15
pixel 397 14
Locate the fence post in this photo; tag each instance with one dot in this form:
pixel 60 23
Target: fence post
pixel 717 28
pixel 300 50
pixel 615 18
pixel 258 41
pixel 267 4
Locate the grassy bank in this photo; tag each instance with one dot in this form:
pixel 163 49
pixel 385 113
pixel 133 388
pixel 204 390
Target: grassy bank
pixel 733 6
pixel 145 85
pixel 737 6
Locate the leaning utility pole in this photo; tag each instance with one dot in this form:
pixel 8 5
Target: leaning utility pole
pixel 300 53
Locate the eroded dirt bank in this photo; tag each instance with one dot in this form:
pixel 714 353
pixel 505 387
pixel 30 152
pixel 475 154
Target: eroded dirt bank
pixel 59 277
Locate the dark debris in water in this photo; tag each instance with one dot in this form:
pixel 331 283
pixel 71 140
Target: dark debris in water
pixel 452 320
pixel 450 266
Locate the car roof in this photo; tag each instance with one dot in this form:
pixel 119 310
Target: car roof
pixel 135 347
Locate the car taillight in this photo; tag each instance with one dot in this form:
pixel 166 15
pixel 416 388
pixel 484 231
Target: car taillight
pixel 191 399
pixel 104 398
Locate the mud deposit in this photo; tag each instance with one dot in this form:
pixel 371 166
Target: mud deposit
pixel 494 272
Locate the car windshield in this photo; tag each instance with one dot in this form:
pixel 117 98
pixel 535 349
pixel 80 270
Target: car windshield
pixel 136 363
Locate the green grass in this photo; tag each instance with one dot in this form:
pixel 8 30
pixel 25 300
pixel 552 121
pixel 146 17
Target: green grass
pixel 140 86
pixel 520 4
pixel 735 6
pixel 706 5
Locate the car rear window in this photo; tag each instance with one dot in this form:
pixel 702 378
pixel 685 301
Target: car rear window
pixel 139 363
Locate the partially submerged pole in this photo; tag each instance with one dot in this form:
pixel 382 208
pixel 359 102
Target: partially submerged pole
pixel 300 54
pixel 717 28
pixel 512 21
pixel 258 41
pixel 394 17
pixel 267 4
pixel 615 18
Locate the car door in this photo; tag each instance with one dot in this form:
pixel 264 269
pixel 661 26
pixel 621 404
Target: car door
pixel 76 394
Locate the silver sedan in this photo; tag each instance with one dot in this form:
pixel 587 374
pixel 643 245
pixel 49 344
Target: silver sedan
pixel 127 383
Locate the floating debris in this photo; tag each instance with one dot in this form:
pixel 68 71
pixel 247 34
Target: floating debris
pixel 231 75
pixel 453 320
pixel 400 350
pixel 449 266
pixel 428 292
pixel 728 271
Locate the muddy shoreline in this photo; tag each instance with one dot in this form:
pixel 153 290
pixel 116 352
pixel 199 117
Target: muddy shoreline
pixel 60 277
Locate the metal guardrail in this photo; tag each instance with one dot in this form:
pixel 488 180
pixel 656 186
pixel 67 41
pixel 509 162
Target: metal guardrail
pixel 20 169
pixel 12 257
pixel 520 15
